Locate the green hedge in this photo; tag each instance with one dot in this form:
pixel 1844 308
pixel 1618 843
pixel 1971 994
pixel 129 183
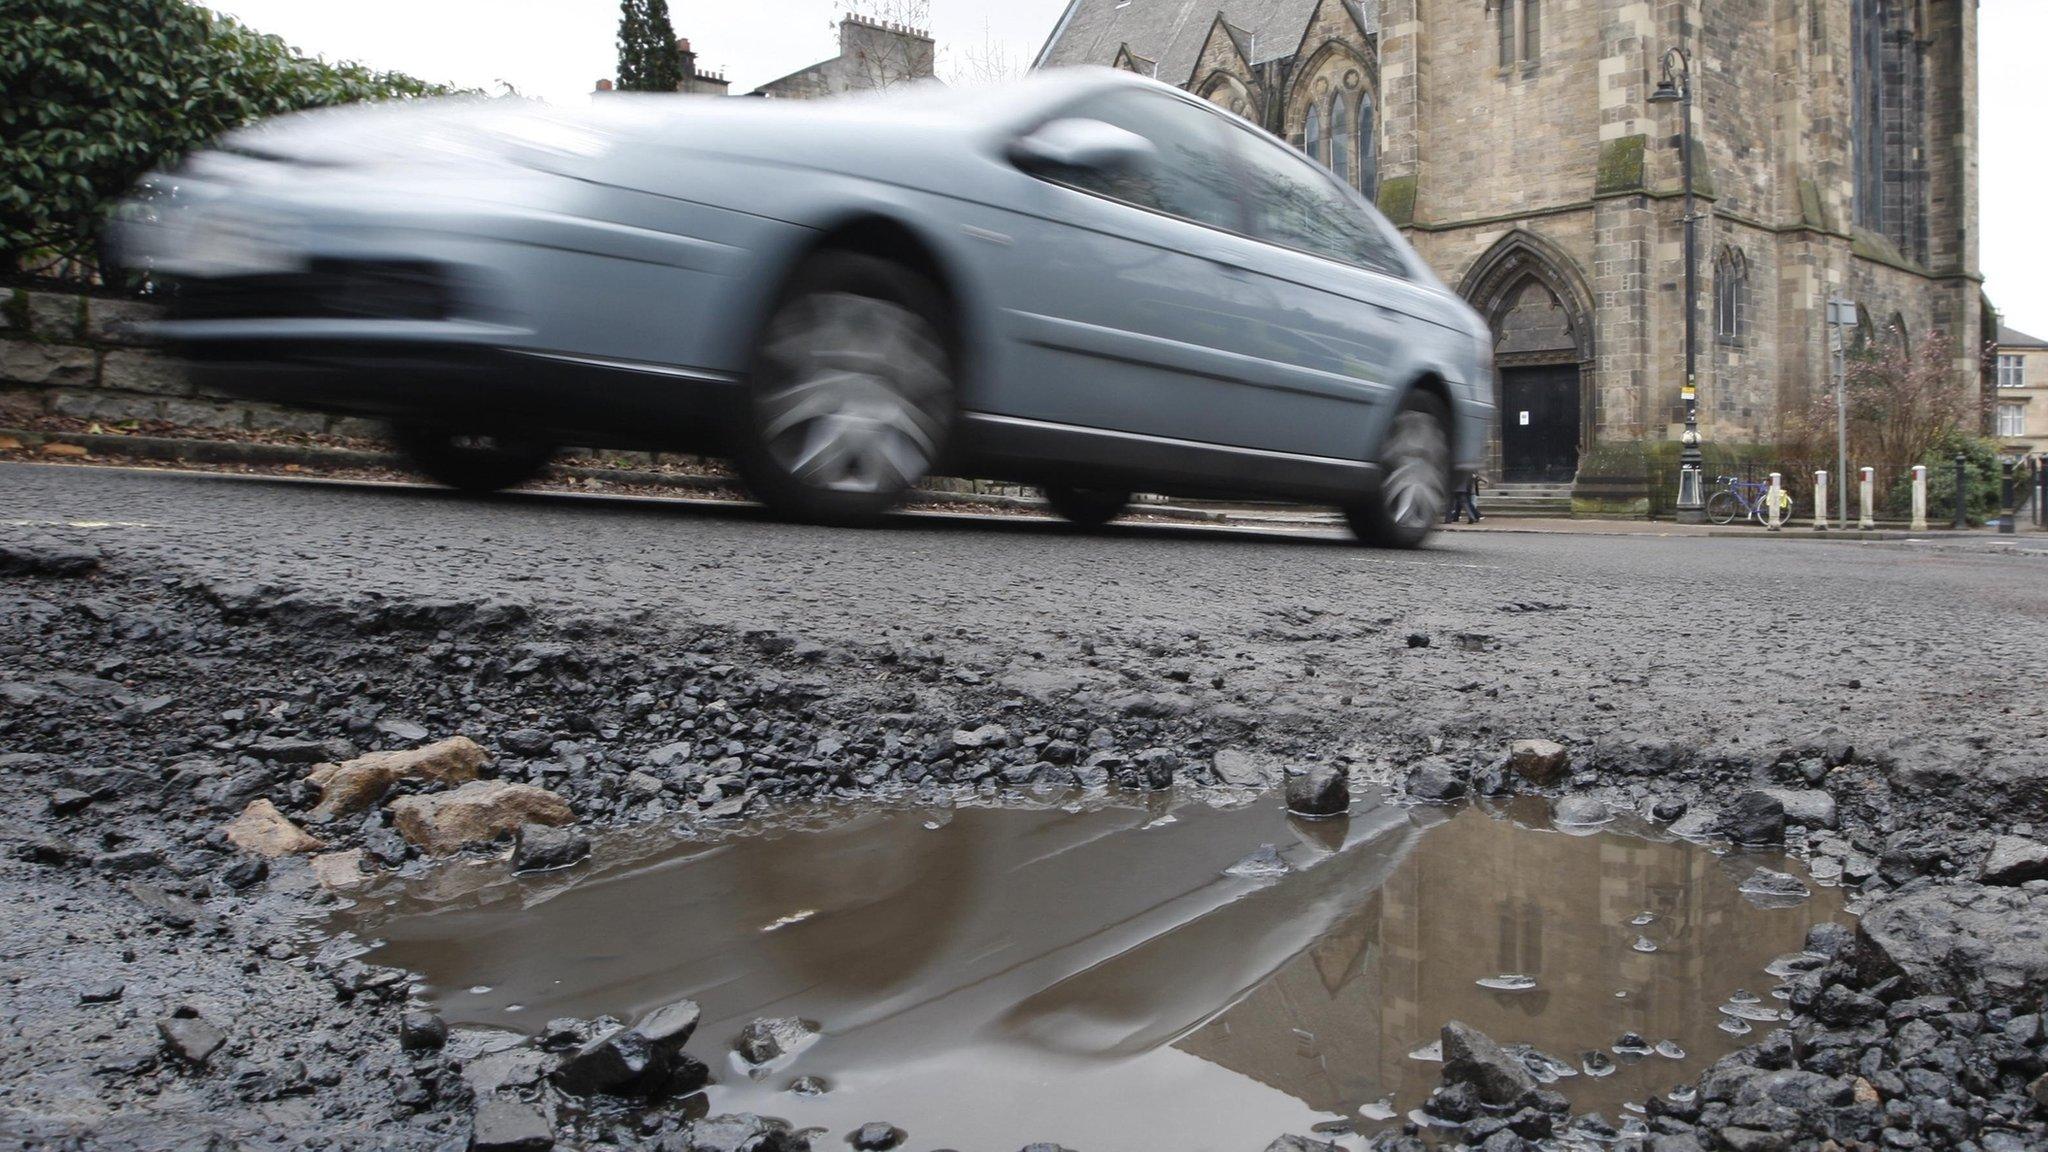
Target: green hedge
pixel 1749 461
pixel 101 91
pixel 1983 472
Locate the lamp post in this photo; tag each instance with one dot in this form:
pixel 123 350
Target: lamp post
pixel 1676 88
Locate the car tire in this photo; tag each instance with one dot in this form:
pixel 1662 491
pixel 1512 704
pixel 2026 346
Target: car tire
pixel 1415 482
pixel 852 400
pixel 473 461
pixel 1086 507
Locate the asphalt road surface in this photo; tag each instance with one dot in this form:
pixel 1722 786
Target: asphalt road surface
pixel 1728 642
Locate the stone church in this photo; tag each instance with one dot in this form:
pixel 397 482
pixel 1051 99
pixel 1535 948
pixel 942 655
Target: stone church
pixel 1516 144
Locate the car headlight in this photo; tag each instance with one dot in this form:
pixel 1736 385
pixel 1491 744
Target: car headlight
pixel 213 243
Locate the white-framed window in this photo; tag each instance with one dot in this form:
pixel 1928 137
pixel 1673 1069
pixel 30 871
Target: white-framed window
pixel 2012 371
pixel 2012 420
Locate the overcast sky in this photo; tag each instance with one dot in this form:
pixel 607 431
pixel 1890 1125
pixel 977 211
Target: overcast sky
pixel 557 49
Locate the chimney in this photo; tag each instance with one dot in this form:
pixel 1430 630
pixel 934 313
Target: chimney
pixel 604 86
pixel 686 61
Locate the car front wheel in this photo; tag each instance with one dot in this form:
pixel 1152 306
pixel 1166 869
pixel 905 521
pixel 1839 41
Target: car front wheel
pixel 1087 507
pixel 1415 484
pixel 472 461
pixel 852 399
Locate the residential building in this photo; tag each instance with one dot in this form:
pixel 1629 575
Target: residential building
pixel 2020 407
pixel 696 81
pixel 873 55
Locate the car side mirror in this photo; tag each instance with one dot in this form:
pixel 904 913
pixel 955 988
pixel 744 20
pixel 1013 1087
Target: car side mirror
pixel 1081 144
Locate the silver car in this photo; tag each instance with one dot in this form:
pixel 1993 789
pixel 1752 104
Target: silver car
pixel 1089 281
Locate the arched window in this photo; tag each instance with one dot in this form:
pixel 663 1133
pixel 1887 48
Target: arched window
pixel 1312 133
pixel 1368 148
pixel 1507 32
pixel 1532 31
pixel 1340 138
pixel 1731 297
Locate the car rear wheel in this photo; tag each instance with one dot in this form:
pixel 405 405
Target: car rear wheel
pixel 853 399
pixel 473 461
pixel 1415 485
pixel 1087 507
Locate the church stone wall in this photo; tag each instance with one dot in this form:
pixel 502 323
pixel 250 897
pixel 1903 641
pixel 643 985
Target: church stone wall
pixel 1566 147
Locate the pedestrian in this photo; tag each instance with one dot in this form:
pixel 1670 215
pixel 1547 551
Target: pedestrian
pixel 1466 502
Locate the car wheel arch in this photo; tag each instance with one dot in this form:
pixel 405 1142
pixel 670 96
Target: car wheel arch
pixel 888 237
pixel 1433 385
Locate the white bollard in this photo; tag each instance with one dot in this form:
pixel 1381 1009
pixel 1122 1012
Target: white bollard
pixel 1820 501
pixel 1919 497
pixel 1774 511
pixel 1868 493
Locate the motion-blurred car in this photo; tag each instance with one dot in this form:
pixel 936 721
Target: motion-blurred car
pixel 1088 281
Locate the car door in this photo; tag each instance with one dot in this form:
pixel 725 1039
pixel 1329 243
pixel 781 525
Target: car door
pixel 1123 298
pixel 1342 315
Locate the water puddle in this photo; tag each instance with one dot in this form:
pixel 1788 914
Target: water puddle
pixel 1104 977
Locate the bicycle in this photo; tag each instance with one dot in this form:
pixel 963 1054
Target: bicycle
pixel 1741 499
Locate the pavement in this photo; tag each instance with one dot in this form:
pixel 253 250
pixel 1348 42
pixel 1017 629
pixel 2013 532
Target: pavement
pixel 1529 627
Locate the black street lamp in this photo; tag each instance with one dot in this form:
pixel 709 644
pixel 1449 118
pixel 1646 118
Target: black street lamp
pixel 1676 88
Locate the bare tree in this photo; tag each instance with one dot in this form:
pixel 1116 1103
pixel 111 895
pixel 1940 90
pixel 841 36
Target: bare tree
pixel 991 61
pixel 1902 402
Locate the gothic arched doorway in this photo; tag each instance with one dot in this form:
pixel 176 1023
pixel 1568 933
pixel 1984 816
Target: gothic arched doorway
pixel 1541 316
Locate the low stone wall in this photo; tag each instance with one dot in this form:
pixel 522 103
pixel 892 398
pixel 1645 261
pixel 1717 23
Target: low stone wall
pixel 64 353
pixel 70 354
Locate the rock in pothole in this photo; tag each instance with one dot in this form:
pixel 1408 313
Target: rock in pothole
pixel 357 785
pixel 1755 819
pixel 421 1031
pixel 644 1060
pixel 743 1132
pixel 1435 782
pixel 2014 860
pixel 620 1062
pixel 1962 940
pixel 542 847
pixel 1318 790
pixel 190 1037
pixel 1768 889
pixel 876 1137
pixel 1471 1057
pixel 1263 863
pixel 1580 812
pixel 479 811
pixel 1540 762
pixel 508 1124
pixel 1811 807
pixel 262 829
pixel 764 1042
pixel 339 871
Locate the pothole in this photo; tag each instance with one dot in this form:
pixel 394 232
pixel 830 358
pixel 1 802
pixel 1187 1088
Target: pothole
pixel 1096 974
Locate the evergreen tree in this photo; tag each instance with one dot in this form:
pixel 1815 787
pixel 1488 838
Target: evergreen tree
pixel 648 61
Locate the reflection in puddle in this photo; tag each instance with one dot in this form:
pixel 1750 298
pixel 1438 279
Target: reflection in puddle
pixel 1100 976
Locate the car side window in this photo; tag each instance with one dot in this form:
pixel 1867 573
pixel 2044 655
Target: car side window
pixel 1190 176
pixel 1294 203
